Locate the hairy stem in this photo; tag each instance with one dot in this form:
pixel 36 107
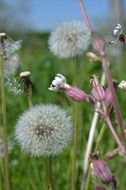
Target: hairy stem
pixel 115 101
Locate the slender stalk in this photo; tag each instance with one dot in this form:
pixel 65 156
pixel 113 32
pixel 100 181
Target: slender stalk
pixel 115 101
pixel 74 149
pixel 4 122
pixel 90 141
pixel 107 74
pixel 100 137
pixel 29 98
pixel 47 173
pixel 49 182
pixel 85 16
pixel 51 177
pixel 108 121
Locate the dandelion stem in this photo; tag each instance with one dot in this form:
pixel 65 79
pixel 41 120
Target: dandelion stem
pixel 4 122
pixel 29 98
pixel 47 173
pixel 74 149
pixel 49 182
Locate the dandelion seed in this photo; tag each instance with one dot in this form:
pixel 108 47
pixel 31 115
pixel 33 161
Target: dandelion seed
pixel 12 65
pixel 70 39
pixel 13 85
pixel 8 47
pixel 44 130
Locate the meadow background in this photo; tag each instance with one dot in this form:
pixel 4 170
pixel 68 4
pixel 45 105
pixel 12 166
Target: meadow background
pixel 27 172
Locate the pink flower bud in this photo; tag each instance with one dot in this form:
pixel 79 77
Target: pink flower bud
pixel 102 171
pixel 76 94
pixel 99 187
pixel 98 92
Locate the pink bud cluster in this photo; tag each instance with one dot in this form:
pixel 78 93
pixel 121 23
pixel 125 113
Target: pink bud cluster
pixel 98 92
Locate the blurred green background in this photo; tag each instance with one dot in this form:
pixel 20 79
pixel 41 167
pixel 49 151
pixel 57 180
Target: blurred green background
pixel 28 172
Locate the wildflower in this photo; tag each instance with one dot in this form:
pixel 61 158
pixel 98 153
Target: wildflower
pixel 118 35
pixel 70 39
pixel 102 172
pixel 122 85
pixel 44 130
pixel 59 84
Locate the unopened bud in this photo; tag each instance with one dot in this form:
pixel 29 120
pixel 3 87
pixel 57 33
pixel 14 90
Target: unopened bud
pixel 102 171
pixel 77 94
pixel 98 93
pixel 99 187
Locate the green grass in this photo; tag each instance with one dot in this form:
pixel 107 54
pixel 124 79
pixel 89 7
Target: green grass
pixel 28 172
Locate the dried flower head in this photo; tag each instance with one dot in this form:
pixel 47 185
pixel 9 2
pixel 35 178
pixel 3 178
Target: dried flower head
pixel 28 86
pixel 70 39
pixel 44 130
pixel 8 47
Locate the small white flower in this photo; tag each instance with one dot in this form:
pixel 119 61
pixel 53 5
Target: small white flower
pixel 58 83
pixel 44 130
pixel 122 85
pixel 117 30
pixel 70 39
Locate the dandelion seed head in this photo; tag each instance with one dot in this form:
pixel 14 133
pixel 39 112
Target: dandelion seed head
pixel 44 130
pixel 11 47
pixel 70 39
pixel 12 65
pixel 13 85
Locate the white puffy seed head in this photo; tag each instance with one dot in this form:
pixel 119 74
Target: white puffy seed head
pixel 44 130
pixel 70 39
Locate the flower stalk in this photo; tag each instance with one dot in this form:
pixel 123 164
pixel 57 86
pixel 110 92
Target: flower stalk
pixel 4 122
pixel 99 46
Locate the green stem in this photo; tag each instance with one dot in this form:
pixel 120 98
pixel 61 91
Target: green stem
pixel 4 122
pixel 74 149
pixel 47 173
pixel 29 98
pixel 49 181
pixel 100 137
